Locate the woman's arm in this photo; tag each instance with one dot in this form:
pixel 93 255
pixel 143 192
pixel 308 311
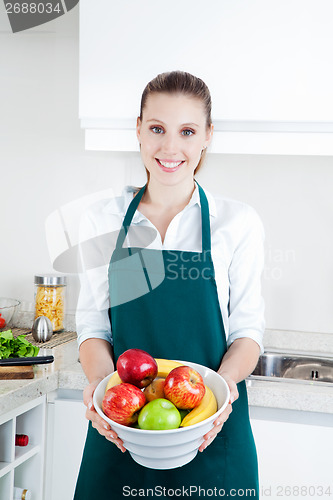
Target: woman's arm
pixel 240 360
pixel 97 363
pixel 96 359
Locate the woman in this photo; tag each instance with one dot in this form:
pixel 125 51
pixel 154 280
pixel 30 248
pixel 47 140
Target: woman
pixel 208 308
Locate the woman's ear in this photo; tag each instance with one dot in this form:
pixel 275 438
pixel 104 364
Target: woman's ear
pixel 209 135
pixel 138 128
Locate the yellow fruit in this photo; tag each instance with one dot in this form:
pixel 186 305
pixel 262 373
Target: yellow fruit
pixel 114 380
pixel 205 409
pixel 165 366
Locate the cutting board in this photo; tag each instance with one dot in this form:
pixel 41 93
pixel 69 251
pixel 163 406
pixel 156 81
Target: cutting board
pixel 16 372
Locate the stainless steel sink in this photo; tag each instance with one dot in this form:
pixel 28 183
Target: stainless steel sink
pixel 277 365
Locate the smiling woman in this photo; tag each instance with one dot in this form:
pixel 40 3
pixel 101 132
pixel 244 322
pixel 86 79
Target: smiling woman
pixel 207 309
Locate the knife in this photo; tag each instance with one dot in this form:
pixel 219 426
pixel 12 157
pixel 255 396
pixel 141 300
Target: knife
pixel 34 360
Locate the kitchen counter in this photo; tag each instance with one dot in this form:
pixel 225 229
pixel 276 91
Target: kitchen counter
pixel 66 373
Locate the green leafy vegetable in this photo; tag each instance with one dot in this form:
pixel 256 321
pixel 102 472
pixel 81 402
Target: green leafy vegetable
pixel 11 347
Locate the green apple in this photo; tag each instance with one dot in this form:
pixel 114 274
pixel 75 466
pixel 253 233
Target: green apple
pixel 159 414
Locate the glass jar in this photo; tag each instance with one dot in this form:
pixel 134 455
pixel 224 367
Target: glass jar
pixel 50 299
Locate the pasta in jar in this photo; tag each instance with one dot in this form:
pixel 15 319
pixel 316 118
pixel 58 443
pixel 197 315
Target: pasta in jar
pixel 50 299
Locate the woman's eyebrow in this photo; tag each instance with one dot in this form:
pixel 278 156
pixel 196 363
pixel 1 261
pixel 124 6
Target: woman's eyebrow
pixel 182 125
pixel 154 120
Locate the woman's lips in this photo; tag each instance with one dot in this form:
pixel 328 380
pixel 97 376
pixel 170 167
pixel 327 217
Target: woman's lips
pixel 168 165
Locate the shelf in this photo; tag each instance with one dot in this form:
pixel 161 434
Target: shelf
pixel 23 466
pixel 26 452
pixel 5 467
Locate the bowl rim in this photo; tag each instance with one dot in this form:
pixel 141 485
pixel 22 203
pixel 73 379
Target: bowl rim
pixel 17 303
pixel 166 431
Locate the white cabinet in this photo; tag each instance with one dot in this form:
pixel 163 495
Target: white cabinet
pixel 46 467
pixel 23 467
pixel 266 62
pixel 294 453
pixel 66 433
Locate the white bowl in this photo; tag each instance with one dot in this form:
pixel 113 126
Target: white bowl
pixel 170 448
pixel 7 308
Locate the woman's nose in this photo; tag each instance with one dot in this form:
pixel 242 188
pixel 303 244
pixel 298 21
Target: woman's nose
pixel 170 144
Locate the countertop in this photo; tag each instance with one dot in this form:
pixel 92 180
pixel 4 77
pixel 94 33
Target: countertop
pixel 66 373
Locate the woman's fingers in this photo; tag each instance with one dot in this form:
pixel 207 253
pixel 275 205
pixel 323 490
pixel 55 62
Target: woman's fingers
pixel 101 425
pixel 118 442
pixel 104 428
pixel 222 418
pixel 218 423
pixel 206 443
pixel 96 420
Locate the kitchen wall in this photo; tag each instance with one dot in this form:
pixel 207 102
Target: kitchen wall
pixel 43 166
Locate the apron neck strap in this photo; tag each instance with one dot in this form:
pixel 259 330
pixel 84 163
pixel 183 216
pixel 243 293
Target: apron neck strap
pixel 205 223
pixel 129 216
pixel 132 208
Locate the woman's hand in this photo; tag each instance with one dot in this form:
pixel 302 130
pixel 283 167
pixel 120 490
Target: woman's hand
pixel 218 423
pixel 98 422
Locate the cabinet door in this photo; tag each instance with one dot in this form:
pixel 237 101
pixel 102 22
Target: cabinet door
pixel 66 432
pixel 267 64
pixel 294 458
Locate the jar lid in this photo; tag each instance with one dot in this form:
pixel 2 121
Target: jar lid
pixel 50 280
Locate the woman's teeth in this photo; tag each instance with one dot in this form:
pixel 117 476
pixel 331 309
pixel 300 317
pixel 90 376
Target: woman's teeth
pixel 169 164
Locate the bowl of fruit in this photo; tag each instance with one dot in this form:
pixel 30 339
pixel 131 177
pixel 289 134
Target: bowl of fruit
pixel 160 408
pixel 7 310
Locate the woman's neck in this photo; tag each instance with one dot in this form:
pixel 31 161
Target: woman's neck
pixel 165 198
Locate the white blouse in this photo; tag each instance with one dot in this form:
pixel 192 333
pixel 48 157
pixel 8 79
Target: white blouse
pixel 237 251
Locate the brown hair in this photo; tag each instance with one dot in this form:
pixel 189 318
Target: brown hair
pixel 180 82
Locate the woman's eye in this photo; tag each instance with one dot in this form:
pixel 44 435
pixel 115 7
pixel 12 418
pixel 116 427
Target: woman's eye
pixel 157 130
pixel 187 132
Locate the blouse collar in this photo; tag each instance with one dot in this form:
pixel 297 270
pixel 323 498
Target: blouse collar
pixel 119 205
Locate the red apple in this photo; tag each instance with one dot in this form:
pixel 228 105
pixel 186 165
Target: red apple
pixel 122 403
pixel 155 390
pixel 137 367
pixel 184 387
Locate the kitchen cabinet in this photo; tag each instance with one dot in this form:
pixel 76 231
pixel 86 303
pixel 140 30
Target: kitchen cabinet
pixel 66 433
pixel 23 467
pixel 49 465
pixel 267 64
pixel 294 453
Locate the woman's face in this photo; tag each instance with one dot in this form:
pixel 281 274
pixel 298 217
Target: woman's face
pixel 172 135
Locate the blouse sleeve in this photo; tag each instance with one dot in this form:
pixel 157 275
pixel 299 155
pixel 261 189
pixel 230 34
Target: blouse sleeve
pixel 246 304
pixel 92 313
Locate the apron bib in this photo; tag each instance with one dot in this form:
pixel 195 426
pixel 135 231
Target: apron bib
pixel 165 302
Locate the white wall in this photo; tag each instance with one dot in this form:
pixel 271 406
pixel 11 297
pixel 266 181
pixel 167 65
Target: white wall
pixel 44 166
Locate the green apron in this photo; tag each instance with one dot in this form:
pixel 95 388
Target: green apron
pixel 171 311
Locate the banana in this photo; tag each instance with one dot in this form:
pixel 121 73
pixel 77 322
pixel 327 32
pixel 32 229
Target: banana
pixel 165 366
pixel 205 409
pixel 114 380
